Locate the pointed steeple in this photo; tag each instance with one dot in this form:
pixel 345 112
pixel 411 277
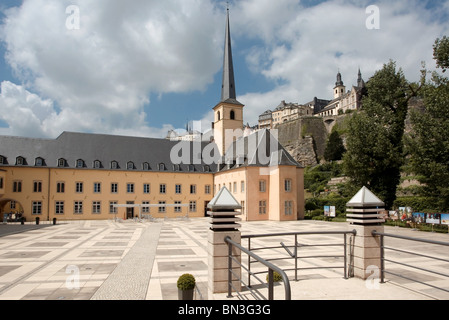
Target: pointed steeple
pixel 339 82
pixel 228 93
pixel 360 82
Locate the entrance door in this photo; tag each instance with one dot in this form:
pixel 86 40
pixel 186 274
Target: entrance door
pixel 129 211
pixel 206 209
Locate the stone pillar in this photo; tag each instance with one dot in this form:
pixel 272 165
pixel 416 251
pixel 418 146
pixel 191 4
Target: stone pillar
pixel 223 224
pixel 364 214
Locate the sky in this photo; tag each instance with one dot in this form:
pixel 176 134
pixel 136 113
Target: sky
pixel 144 67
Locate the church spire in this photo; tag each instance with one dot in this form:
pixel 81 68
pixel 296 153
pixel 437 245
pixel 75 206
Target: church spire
pixel 228 93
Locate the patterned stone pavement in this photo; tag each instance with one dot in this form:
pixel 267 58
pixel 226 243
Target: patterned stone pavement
pixel 130 260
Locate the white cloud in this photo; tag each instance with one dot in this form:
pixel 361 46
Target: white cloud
pixel 100 76
pixel 303 47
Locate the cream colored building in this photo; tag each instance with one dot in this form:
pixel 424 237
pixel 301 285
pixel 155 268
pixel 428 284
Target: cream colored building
pixel 80 176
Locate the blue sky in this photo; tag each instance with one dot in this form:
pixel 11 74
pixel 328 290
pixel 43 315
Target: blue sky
pixel 145 67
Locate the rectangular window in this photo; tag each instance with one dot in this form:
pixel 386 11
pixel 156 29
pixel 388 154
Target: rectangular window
pixel 112 209
pixel 262 207
pixel 161 209
pixel 12 205
pixel 17 186
pixel 114 187
pixel 177 209
pixel 242 186
pixel 288 185
pixel 146 188
pixel 242 203
pixel 60 187
pixel 78 209
pixel 262 186
pixel 36 208
pixel 1 183
pixel 178 189
pixel 96 207
pixel 145 209
pixel 192 206
pixel 130 188
pixel 59 207
pixel 192 189
pixel 162 189
pixel 79 187
pixel 97 187
pixel 235 187
pixel 37 186
pixel 288 208
pixel 207 189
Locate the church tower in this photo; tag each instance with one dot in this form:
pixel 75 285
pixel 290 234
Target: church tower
pixel 340 88
pixel 228 122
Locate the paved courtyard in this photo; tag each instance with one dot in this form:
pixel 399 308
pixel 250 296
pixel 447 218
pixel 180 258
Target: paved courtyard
pixel 128 260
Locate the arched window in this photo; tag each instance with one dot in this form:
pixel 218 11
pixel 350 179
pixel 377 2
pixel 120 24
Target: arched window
pixel 39 162
pixel 114 165
pixel 232 115
pixel 97 164
pixel 219 115
pixel 62 163
pixel 3 160
pixel 146 166
pixel 130 165
pixel 161 167
pixel 20 161
pixel 80 163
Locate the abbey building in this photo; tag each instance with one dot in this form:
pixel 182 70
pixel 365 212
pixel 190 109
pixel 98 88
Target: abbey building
pixel 80 176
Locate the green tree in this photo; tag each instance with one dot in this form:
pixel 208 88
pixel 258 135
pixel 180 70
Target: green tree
pixel 441 53
pixel 334 148
pixel 375 154
pixel 428 141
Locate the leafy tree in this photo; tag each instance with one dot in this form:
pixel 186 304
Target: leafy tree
pixel 375 154
pixel 428 141
pixel 441 53
pixel 334 148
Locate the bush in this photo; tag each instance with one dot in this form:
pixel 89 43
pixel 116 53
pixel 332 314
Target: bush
pixel 186 282
pixel 276 277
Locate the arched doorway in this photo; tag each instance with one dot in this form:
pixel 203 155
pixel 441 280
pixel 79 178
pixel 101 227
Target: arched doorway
pixel 11 210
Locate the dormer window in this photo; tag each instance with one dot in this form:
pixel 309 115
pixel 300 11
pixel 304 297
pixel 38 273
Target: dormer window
pixel 161 167
pixel 176 167
pixel 62 163
pixel 206 169
pixel 191 168
pixel 80 163
pixel 39 162
pixel 130 165
pixel 3 160
pixel 146 166
pixel 114 165
pixel 97 164
pixel 20 161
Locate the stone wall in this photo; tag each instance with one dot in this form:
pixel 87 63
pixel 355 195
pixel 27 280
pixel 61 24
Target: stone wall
pixel 305 139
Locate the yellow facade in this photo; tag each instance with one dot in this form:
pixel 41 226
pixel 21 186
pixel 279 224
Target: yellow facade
pixel 74 194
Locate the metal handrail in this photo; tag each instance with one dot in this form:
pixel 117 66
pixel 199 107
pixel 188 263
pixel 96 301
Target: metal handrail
pixel 383 259
pixel 271 269
pixel 294 254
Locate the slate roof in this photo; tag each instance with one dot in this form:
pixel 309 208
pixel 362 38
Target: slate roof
pixel 97 147
pixel 244 152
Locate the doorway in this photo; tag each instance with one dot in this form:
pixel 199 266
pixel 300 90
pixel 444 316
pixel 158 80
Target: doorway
pixel 129 211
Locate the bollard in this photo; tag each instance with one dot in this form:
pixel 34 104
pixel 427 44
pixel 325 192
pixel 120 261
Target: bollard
pixel 37 220
pixel 54 221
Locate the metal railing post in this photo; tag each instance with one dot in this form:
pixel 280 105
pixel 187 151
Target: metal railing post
pixel 382 260
pixel 249 263
pixel 270 284
pixel 345 257
pixel 296 257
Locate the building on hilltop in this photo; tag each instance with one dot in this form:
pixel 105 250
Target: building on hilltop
pixel 80 176
pixel 344 101
pixel 283 113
